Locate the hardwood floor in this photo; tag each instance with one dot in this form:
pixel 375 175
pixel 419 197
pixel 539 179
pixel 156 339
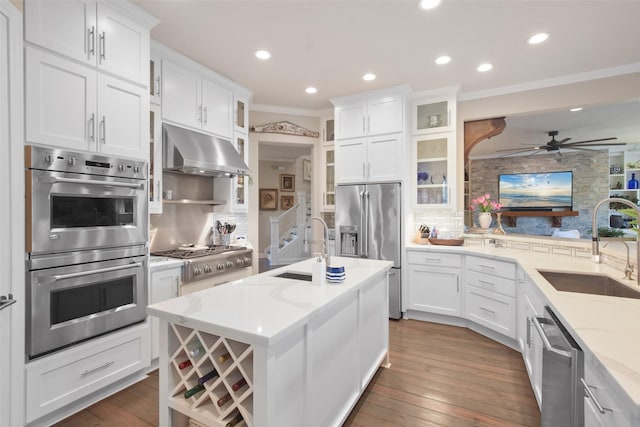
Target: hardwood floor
pixel 440 376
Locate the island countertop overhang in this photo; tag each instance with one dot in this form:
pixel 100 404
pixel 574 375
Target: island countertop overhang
pixel 262 309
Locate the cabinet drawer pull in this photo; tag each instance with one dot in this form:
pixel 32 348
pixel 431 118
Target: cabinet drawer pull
pixel 92 127
pixel 593 398
pixel 103 128
pixel 90 371
pixel 103 47
pixel 484 282
pixel 488 267
pixel 487 310
pixel 436 260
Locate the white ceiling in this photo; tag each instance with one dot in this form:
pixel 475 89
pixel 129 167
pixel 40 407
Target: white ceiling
pixel 331 44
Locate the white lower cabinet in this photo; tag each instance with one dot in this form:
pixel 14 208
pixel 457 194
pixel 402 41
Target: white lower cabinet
pixel 490 292
pixel 533 306
pixel 164 285
pixel 71 375
pixel 434 283
pixel 604 405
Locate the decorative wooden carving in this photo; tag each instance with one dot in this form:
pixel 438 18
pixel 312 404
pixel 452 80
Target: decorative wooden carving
pixel 284 127
pixel 478 130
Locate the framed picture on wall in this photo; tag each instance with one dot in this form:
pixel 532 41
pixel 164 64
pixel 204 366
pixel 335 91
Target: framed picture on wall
pixel 306 169
pixel 286 202
pixel 268 199
pixel 287 182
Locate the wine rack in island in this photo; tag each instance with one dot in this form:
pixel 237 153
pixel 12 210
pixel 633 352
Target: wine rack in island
pixel 210 377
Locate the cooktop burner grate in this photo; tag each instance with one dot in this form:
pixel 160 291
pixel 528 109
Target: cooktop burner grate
pixel 198 253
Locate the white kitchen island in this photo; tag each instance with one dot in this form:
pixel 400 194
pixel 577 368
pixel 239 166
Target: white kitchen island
pixel 286 352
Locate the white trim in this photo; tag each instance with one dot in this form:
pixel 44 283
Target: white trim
pixel 285 110
pixel 133 11
pixel 15 151
pixel 556 81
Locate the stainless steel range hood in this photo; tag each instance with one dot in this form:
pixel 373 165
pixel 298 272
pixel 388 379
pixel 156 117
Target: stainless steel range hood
pixel 196 153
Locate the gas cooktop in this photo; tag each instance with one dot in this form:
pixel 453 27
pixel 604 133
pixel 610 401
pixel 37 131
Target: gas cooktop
pixel 189 253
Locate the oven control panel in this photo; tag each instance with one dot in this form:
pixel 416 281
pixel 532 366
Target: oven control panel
pixel 206 267
pixel 52 159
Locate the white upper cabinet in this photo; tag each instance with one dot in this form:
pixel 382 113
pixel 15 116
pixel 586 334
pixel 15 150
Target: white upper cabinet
pixel 217 108
pixel 370 117
pixel 370 136
pixel 69 105
pixel 191 100
pixel 93 33
pixel 60 102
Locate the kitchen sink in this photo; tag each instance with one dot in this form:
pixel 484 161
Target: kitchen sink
pixel 296 276
pixel 595 284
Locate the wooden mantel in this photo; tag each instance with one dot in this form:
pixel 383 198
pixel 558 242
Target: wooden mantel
pixel 556 216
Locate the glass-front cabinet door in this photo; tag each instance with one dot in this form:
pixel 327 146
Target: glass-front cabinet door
pixel 433 170
pixel 155 160
pixel 240 114
pixel 431 116
pixel 239 188
pixel 328 180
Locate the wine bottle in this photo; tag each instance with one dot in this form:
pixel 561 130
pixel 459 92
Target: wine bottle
pixel 238 384
pixel 224 399
pixel 235 420
pixel 192 391
pixel 184 364
pixel 224 357
pixel 206 377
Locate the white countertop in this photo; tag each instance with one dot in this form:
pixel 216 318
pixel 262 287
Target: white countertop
pixel 609 327
pixel 158 263
pixel 261 309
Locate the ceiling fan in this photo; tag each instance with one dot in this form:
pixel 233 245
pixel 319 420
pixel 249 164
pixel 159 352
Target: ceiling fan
pixel 555 145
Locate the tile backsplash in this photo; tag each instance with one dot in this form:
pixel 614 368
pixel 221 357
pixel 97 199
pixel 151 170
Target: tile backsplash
pixel 453 222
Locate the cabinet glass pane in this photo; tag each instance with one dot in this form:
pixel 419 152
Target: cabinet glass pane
pixel 330 199
pixel 152 78
pixel 329 126
pixel 240 114
pixel 329 157
pixel 431 166
pixel 432 115
pixel 330 179
pixel 239 187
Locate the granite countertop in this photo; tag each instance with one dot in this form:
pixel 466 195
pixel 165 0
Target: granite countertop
pixel 262 309
pixel 608 327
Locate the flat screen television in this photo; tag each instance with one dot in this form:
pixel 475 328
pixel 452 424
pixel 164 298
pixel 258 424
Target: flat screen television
pixel 531 191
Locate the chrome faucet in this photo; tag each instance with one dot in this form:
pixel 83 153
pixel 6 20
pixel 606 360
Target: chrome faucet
pixel 595 249
pixel 325 242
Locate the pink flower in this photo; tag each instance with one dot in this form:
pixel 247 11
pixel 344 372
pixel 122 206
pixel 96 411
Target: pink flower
pixel 484 204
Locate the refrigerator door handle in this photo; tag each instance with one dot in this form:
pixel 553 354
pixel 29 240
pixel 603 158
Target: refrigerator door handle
pixel 366 227
pixel 363 230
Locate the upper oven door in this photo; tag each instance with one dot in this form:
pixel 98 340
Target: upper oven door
pixel 68 211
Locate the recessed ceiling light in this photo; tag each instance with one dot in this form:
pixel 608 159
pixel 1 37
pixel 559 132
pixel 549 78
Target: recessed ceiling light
pixel 538 38
pixel 429 4
pixel 311 89
pixel 262 54
pixel 576 109
pixel 444 59
pixel 368 77
pixel 484 67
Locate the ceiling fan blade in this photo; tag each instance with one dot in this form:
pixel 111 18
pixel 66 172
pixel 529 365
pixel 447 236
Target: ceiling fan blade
pixel 563 140
pixel 582 144
pixel 542 147
pixel 593 140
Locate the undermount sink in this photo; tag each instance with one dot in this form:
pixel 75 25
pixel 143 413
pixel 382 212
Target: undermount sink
pixel 595 284
pixel 295 276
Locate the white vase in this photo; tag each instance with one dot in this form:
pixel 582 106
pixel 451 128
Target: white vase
pixel 484 219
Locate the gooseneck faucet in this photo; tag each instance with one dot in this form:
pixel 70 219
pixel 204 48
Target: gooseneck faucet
pixel 325 242
pixel 595 247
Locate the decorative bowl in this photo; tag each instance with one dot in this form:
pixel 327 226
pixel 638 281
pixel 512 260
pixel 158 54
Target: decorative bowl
pixel 447 242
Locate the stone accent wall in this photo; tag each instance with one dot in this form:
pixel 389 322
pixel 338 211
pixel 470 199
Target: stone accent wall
pixel 590 185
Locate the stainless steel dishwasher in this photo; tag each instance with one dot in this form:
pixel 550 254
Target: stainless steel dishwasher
pixel 562 368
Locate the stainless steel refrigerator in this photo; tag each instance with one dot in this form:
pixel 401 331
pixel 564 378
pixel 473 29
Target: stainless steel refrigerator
pixel 369 225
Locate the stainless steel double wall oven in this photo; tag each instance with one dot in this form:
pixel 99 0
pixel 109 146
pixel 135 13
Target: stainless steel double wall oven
pixel 86 238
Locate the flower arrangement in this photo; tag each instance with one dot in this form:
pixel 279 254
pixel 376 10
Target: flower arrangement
pixel 485 204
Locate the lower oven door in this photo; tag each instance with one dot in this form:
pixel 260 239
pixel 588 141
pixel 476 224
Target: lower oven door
pixel 72 211
pixel 73 303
